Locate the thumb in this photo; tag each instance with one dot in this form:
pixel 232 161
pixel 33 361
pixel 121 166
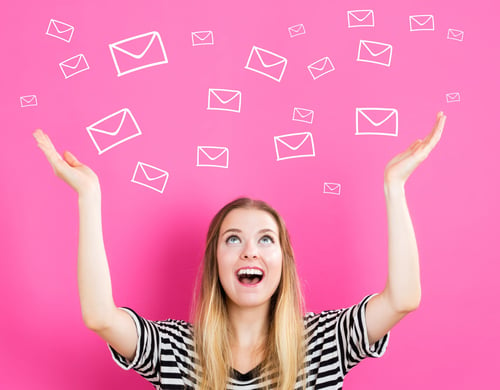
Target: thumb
pixel 71 159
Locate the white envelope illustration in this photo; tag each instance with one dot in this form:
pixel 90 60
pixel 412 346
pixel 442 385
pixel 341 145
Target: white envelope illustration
pixel 360 18
pixel 60 30
pixel 377 121
pixel 149 176
pixel 453 97
pixel 224 100
pixel 74 65
pixel 113 130
pixel 202 38
pixel 294 146
pixel 266 63
pixel 212 156
pixel 456 35
pixel 139 52
pixel 303 115
pixel 331 188
pixel 375 52
pixel 28 101
pixel 296 30
pixel 422 23
pixel 320 67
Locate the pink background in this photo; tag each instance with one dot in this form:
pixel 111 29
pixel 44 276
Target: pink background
pixel 155 240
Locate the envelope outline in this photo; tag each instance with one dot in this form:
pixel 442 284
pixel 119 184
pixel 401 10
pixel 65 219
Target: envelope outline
pixel 302 114
pixel 453 97
pixel 331 188
pixel 54 23
pixel 213 91
pixel 416 25
pixel 392 111
pixel 296 30
pixel 162 174
pixel 203 149
pixel 154 36
pixel 456 35
pixel 125 112
pixel 281 60
pixel 65 64
pixel 209 34
pixel 279 138
pixel 325 61
pixel 28 101
pixel 387 46
pixel 352 14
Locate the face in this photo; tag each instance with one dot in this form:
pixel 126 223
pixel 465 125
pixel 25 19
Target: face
pixel 249 257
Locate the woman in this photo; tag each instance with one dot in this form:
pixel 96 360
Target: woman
pixel 249 331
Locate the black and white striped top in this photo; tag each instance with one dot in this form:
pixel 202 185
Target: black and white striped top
pixel 337 340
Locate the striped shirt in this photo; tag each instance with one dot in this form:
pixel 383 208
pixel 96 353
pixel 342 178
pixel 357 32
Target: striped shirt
pixel 337 340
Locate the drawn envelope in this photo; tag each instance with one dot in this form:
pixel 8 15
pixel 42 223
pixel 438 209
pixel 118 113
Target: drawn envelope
pixel 360 18
pixel 212 156
pixel 113 130
pixel 294 146
pixel 74 65
pixel 202 38
pixel 266 63
pixel 149 176
pixel 28 101
pixel 60 30
pixel 303 115
pixel 453 97
pixel 224 100
pixel 331 188
pixel 422 23
pixel 320 67
pixel 456 35
pixel 377 121
pixel 375 52
pixel 139 52
pixel 296 30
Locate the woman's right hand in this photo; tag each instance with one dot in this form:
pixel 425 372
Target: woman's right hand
pixel 67 167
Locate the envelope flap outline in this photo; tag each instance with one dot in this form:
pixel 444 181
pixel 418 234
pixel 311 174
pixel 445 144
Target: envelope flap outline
pixel 355 14
pixel 214 92
pixel 419 19
pixel 204 150
pixel 332 186
pixel 385 46
pixel 391 111
pixel 306 135
pixel 79 57
pixel 303 112
pixel 159 175
pixel 124 112
pixel 453 95
pixel 296 28
pixel 199 34
pixel 59 25
pixel 28 99
pixel 153 34
pixel 324 61
pixel 258 50
pixel 455 33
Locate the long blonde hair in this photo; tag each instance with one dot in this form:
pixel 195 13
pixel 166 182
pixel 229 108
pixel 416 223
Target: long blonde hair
pixel 284 353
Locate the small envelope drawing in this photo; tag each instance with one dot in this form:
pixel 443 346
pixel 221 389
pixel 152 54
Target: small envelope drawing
pixel 212 156
pixel 303 115
pixel 456 35
pixel 331 188
pixel 294 146
pixel 28 101
pixel 360 18
pixel 377 121
pixel 138 52
pixel 113 130
pixel 453 97
pixel 74 65
pixel 202 38
pixel 224 100
pixel 60 30
pixel 149 176
pixel 321 67
pixel 296 30
pixel 421 23
pixel 266 63
pixel 375 52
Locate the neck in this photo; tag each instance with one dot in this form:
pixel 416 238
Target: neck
pixel 249 326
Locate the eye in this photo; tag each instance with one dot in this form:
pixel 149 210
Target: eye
pixel 267 240
pixel 232 239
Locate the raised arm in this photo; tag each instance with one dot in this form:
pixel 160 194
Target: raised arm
pixel 99 311
pixel 402 292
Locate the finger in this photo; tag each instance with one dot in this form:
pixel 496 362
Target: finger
pixel 71 159
pixel 48 148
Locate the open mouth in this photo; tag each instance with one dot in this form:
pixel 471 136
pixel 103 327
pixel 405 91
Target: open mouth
pixel 250 276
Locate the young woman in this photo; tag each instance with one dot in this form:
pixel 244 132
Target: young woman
pixel 250 330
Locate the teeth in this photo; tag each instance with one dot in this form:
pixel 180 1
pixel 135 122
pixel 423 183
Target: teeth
pixel 250 272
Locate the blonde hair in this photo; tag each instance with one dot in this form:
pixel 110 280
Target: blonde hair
pixel 284 352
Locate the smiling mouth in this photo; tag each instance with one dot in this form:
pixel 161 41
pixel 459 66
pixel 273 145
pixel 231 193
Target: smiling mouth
pixel 250 276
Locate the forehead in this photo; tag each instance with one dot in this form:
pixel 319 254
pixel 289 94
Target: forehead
pixel 249 219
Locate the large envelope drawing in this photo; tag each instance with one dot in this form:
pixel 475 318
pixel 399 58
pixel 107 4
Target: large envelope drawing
pixel 303 115
pixel 212 156
pixel 202 38
pixel 224 100
pixel 375 52
pixel 331 188
pixel 421 23
pixel 296 30
pixel 266 63
pixel 294 146
pixel 377 121
pixel 60 30
pixel 453 97
pixel 113 130
pixel 456 35
pixel 149 176
pixel 28 101
pixel 360 18
pixel 139 52
pixel 321 67
pixel 74 65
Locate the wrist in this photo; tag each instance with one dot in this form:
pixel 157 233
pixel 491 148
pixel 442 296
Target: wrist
pixel 90 195
pixel 394 188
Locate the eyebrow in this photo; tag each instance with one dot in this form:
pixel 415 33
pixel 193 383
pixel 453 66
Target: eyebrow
pixel 235 230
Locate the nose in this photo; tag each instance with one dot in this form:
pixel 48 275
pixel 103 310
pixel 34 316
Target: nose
pixel 249 251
